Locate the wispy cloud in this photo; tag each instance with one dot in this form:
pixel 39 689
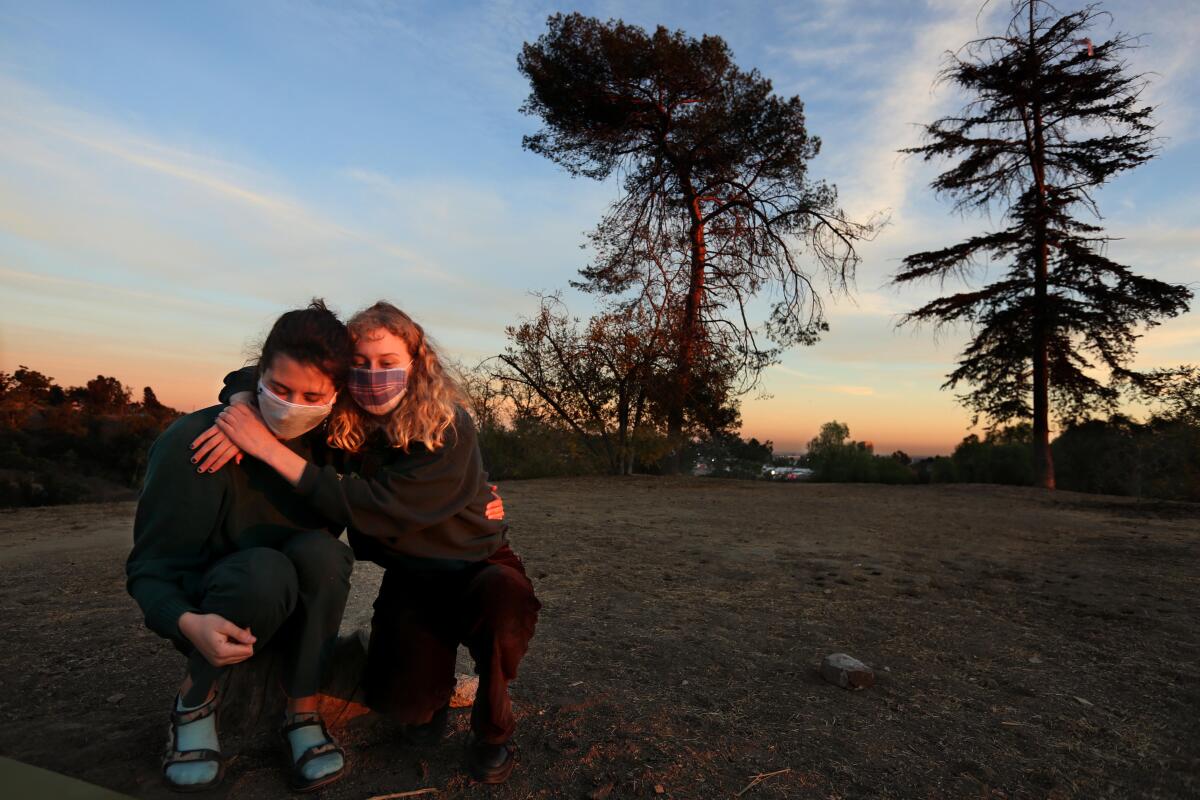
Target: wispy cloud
pixel 81 182
pixel 858 391
pixel 110 227
pixel 1169 57
pixel 873 175
pixel 795 373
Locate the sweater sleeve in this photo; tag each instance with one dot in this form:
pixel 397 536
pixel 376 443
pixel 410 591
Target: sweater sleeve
pixel 423 491
pixel 177 513
pixel 241 380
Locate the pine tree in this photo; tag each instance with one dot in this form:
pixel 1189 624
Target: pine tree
pixel 716 193
pixel 1052 117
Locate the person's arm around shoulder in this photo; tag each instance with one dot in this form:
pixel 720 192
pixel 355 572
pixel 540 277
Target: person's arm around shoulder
pixel 239 386
pixel 407 495
pixel 243 425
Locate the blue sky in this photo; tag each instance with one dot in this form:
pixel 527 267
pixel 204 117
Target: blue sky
pixel 173 175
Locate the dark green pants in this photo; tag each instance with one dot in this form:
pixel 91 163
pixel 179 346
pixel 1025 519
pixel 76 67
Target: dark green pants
pixel 291 598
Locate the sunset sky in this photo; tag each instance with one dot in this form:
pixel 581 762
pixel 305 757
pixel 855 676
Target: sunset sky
pixel 174 175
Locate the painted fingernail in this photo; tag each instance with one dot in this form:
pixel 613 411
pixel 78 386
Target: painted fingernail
pixel 199 469
pixel 193 461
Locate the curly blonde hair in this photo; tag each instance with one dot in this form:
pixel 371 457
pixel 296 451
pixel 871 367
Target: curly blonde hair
pixel 429 404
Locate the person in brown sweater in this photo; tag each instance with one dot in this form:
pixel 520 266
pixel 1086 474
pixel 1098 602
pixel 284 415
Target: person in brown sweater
pixel 407 481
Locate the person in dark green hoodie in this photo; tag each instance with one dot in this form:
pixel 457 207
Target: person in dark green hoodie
pixel 407 480
pixel 225 563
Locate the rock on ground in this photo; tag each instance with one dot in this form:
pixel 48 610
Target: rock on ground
pixel 847 672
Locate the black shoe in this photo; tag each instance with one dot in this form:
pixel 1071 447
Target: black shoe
pixel 429 733
pixel 490 763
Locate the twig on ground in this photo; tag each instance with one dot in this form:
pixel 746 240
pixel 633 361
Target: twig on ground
pixel 395 795
pixel 760 777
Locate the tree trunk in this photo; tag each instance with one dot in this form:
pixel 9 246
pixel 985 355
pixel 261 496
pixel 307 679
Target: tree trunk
pixel 252 704
pixel 1043 458
pixel 622 430
pixel 689 333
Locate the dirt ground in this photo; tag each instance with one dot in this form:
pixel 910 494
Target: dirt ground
pixel 1028 645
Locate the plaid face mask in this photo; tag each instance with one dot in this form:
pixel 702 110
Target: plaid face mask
pixel 377 391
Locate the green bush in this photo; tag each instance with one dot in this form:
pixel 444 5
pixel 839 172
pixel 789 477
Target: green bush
pixel 1005 456
pixel 942 470
pixel 1160 458
pixel 891 470
pixel 532 449
pixel 24 488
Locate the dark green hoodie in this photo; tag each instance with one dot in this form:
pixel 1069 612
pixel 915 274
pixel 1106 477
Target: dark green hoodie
pixel 186 521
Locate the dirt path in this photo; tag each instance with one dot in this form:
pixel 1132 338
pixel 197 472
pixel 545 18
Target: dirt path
pixel 1027 646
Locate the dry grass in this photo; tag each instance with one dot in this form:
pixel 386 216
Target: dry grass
pixel 1028 645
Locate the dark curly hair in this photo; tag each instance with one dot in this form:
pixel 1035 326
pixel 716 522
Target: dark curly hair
pixel 313 336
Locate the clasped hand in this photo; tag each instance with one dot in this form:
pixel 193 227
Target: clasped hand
pixel 220 641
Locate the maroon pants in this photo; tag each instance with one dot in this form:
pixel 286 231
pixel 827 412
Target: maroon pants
pixel 421 616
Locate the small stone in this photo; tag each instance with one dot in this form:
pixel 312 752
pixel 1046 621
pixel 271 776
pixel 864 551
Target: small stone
pixel 658 789
pixel 115 698
pixel 829 591
pixel 465 687
pixel 847 672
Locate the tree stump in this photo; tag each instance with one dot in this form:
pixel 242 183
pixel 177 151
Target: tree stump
pixel 252 700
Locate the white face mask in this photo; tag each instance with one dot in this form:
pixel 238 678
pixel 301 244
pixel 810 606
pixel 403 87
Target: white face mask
pixel 289 420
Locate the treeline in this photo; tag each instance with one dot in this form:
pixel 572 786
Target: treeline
pixel 1159 458
pixel 544 449
pixel 565 413
pixel 64 444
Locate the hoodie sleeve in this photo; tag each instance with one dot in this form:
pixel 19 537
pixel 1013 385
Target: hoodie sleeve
pixel 242 380
pixel 176 515
pixel 407 496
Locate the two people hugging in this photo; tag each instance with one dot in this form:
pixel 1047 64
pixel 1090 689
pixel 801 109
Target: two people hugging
pixel 353 427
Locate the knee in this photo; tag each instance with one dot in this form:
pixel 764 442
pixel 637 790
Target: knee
pixel 320 559
pixel 506 600
pixel 257 585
